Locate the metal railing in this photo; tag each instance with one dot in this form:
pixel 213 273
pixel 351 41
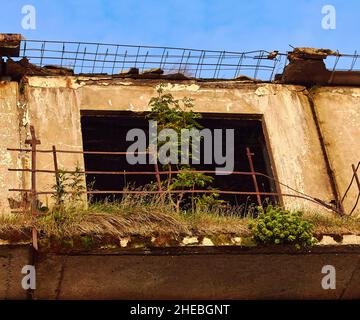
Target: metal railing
pixel 343 62
pixel 111 59
pixel 34 192
pixel 103 58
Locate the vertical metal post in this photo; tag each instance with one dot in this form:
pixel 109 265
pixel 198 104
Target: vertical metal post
pixel 103 65
pixel 333 70
pixel 56 168
pixel 158 180
pixel 42 53
pixel 186 63
pixel 158 176
pixel 276 60
pixel 353 61
pixel 218 64
pixel 258 63
pixel 62 54
pixel 164 62
pixel 115 57
pixel 238 67
pixel 137 56
pixel 182 58
pixel 123 63
pixel 96 53
pixel 76 55
pixel 24 52
pixel 33 142
pixel 197 65
pixel 83 59
pixel 252 171
pixel 143 67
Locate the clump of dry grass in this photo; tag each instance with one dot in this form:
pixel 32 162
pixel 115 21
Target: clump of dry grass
pixel 15 227
pixel 141 216
pixel 333 224
pixel 147 216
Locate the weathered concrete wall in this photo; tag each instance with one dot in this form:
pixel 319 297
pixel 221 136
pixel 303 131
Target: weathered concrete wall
pixel 338 111
pixel 219 276
pixel 229 273
pixel 56 117
pixel 53 106
pixel 293 138
pixel 9 138
pixel 12 260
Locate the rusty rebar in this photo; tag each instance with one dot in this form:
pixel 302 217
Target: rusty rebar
pixel 253 175
pixel 56 168
pixel 33 142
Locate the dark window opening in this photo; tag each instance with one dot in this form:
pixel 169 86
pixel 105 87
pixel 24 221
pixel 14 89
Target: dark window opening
pixel 106 131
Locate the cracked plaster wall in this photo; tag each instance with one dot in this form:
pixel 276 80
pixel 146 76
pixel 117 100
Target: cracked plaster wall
pixel 53 106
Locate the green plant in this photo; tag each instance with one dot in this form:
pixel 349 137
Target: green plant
pixel 177 115
pixel 76 185
pixel 275 225
pixel 60 188
pixel 87 241
pixel 210 201
pixel 189 179
pixel 69 187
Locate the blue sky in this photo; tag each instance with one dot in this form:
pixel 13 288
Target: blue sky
pixel 204 24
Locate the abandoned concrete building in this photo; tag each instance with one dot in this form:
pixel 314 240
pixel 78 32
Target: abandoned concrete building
pixel 301 124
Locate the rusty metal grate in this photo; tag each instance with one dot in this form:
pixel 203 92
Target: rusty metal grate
pixel 111 59
pixel 102 58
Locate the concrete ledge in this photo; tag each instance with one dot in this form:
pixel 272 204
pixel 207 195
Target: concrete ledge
pixel 227 240
pixel 188 272
pixel 199 276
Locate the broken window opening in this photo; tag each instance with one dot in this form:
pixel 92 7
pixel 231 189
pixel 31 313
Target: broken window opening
pixel 106 131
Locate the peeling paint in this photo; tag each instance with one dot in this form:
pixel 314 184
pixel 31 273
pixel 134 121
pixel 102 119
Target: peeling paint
pixel 181 87
pixel 264 90
pixel 56 82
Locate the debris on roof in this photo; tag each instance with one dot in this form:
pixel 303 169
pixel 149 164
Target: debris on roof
pixel 307 67
pixel 309 53
pixel 10 44
pixel 272 55
pixel 17 69
pixel 153 71
pixel 245 78
pixel 56 70
pixel 130 72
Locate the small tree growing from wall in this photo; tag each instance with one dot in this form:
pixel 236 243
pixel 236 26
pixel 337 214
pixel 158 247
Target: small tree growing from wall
pixel 178 114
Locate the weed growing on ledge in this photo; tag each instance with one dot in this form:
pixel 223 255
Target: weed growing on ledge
pixel 69 187
pixel 145 216
pixel 137 215
pixel 279 226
